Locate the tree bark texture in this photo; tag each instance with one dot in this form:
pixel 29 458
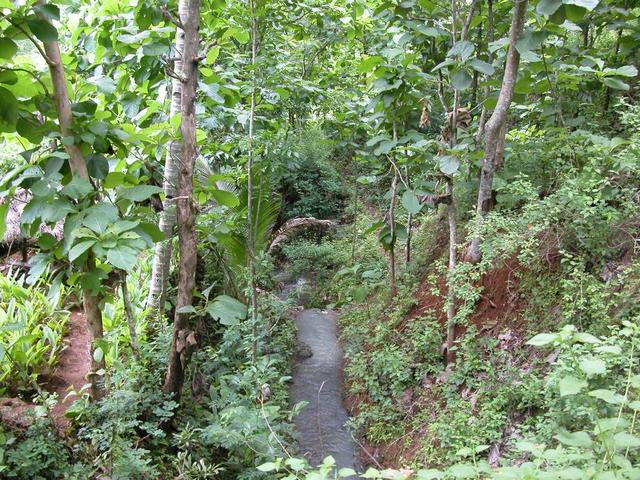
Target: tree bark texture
pixel 494 129
pixel 183 338
pixel 161 266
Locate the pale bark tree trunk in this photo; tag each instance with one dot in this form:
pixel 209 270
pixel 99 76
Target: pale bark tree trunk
pixel 495 127
pixel 392 228
pixel 78 166
pixel 161 266
pixel 251 248
pixel 183 337
pixel 392 222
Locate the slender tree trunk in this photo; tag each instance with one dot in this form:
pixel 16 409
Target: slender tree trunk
pixel 494 128
pixel 161 266
pixel 78 166
pixel 407 251
pixel 250 213
pixel 484 112
pixel 183 337
pixel 392 222
pixel 131 319
pixel 355 224
pixel 392 228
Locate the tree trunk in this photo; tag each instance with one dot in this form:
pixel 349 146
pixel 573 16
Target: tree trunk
pixel 451 298
pixel 495 132
pixel 78 167
pixel 392 228
pixel 407 251
pixel 183 338
pixel 161 266
pixel 251 247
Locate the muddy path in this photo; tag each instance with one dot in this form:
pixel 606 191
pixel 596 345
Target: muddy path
pixel 318 380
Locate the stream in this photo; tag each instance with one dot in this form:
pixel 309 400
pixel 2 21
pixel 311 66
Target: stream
pixel 318 380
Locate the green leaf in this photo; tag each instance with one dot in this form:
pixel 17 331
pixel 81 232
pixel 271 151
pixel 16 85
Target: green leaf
pixel 608 396
pixel 448 164
pixel 624 440
pixel 593 366
pixel 461 79
pixel 8 48
pixel 463 50
pixel 78 249
pixel 212 55
pixel 77 188
pixel 570 385
pixel 98 166
pixel 584 337
pixel 410 202
pixel 122 257
pixel 42 29
pixel 588 4
pixel 548 7
pixel 98 217
pixel 368 64
pixel 575 439
pixel 530 41
pixel 98 354
pixel 4 209
pixel 543 339
pixel 226 198
pixel 139 193
pixel 8 110
pixel 482 66
pixel 227 310
pixel 48 9
pixel 385 147
pixel 627 71
pixel 616 83
pixel 267 467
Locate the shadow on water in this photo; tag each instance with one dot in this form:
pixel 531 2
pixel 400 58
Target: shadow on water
pixel 318 380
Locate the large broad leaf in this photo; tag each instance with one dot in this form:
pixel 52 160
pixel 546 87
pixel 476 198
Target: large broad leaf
pixel 463 50
pixel 570 385
pixel 461 79
pixel 42 29
pixel 78 249
pixel 543 339
pixel 77 188
pixel 8 110
pixel 448 164
pixel 98 166
pixel 548 7
pixel 608 396
pixel 98 217
pixel 139 193
pixel 588 4
pixel 227 310
pixel 616 83
pixel 482 66
pixel 122 257
pixel 575 439
pixel 593 366
pixel 626 71
pixel 4 209
pixel 624 440
pixel 8 47
pixel 226 198
pixel 368 64
pixel 410 202
pixel 530 41
pixel 384 147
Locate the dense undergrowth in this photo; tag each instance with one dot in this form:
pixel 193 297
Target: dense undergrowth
pixel 545 381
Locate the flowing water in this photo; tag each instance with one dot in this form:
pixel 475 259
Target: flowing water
pixel 317 380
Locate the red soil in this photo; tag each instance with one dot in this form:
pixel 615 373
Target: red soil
pixel 497 311
pixel 73 365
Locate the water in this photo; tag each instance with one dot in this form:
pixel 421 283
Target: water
pixel 318 380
